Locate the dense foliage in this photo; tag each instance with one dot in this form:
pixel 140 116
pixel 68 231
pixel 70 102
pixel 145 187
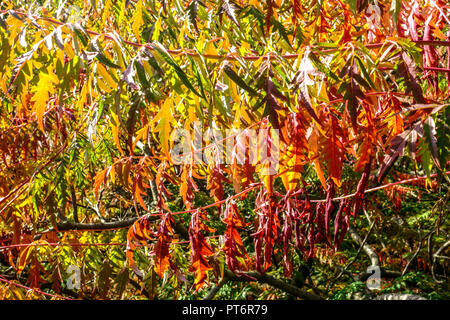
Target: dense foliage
pixel 344 101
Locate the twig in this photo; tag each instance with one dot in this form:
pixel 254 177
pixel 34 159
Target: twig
pixel 419 246
pixel 228 56
pixel 436 255
pixel 376 228
pixel 74 204
pixel 216 288
pixel 363 245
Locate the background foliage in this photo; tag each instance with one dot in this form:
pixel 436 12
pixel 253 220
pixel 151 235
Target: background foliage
pixel 93 91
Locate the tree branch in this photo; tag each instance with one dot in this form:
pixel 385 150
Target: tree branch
pixel 363 276
pixel 69 225
pixel 216 288
pixel 74 204
pixel 367 248
pixel 274 282
pixel 435 256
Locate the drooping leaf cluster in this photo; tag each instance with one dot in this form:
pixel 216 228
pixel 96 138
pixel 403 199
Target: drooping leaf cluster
pixel 93 95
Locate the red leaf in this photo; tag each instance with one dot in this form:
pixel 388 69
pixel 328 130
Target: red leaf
pixel 139 232
pixel 334 151
pixel 397 146
pixel 267 232
pixel 361 188
pixel 407 69
pixel 162 254
pixel 233 246
pixel 216 181
pixel 199 248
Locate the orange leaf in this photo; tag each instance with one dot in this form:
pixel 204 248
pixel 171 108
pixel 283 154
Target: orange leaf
pixel 24 257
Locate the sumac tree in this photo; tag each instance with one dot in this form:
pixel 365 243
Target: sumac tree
pixel 293 114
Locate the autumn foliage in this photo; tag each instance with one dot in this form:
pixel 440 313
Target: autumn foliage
pixel 353 94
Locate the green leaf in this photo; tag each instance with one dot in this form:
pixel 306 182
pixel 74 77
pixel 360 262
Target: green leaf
pixel 322 67
pixel 197 76
pixel 183 77
pixel 121 281
pixel 103 59
pixel 235 77
pixel 429 128
pixel 443 136
pixel 95 47
pixel 257 15
pixel 364 72
pixel 395 9
pixel 81 33
pixel 278 26
pixel 103 281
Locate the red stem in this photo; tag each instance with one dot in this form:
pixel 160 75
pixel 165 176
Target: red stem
pixel 227 57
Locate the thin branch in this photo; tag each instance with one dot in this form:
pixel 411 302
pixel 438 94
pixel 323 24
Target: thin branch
pixel 193 53
pixel 435 256
pixel 363 276
pixel 216 288
pixel 377 233
pixel 362 243
pixel 74 204
pixel 419 246
pixel 366 247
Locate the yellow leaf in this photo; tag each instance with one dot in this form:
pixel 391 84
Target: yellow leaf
pixel 112 173
pixel 438 33
pixel 118 50
pixel 156 30
pixel 210 49
pixel 103 85
pixel 163 119
pixel 106 76
pixel 115 130
pixel 17 293
pixel 236 97
pixel 14 28
pixel 91 88
pixel 137 20
pixel 60 56
pixel 42 92
pixel 140 134
pixel 83 96
pixel 3 85
pixel 23 258
pixel 69 51
pixel 294 163
pixel 320 174
pixel 107 10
